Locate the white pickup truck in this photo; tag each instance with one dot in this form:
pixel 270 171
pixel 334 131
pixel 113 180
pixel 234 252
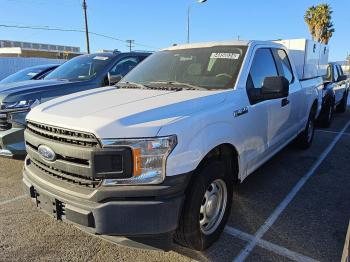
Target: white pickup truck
pixel 157 156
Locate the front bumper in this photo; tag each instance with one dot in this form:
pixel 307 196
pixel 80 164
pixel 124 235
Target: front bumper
pixel 12 142
pixel 132 211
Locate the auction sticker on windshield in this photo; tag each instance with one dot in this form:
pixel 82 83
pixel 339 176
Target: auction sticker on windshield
pixel 225 55
pixel 103 58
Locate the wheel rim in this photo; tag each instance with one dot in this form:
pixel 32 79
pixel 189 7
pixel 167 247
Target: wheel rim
pixel 330 113
pixel 310 130
pixel 213 206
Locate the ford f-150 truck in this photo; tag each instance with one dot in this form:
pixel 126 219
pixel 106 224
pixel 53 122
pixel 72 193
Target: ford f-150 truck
pixel 334 95
pixel 157 155
pixel 78 74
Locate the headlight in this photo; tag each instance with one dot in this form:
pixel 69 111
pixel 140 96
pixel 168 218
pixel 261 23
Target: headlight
pixel 149 159
pixel 19 105
pixel 17 111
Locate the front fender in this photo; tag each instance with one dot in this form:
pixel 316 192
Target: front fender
pixel 194 147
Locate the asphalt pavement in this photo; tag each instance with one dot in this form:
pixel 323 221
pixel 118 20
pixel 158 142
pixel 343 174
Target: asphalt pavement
pixel 296 207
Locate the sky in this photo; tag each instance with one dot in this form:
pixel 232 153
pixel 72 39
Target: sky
pixel 160 23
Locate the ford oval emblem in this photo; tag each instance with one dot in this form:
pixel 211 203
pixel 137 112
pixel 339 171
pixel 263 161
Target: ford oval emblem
pixel 46 153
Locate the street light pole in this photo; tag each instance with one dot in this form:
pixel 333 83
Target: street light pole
pixel 188 18
pixel 86 27
pixel 188 23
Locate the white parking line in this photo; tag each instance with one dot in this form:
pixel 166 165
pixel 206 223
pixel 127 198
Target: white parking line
pixel 282 251
pixel 332 132
pixel 282 206
pixel 12 200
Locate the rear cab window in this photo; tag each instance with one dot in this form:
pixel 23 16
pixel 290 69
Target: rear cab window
pixel 283 64
pixel 335 73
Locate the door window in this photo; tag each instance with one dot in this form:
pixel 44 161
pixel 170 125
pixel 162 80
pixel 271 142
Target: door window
pixel 123 66
pixel 263 66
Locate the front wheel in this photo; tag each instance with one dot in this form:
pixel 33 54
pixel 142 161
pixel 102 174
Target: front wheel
pixel 341 108
pixel 206 208
pixel 305 138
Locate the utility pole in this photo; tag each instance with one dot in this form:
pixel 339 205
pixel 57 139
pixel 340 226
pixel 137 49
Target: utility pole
pixel 130 44
pixel 86 27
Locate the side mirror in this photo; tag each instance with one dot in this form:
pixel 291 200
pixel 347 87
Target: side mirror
pixel 113 79
pixel 342 78
pixel 275 87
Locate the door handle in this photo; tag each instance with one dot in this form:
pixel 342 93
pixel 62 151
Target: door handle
pixel 284 102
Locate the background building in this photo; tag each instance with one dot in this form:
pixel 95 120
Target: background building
pixel 27 49
pixel 15 55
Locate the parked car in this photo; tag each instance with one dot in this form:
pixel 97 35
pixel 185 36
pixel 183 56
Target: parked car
pixel 78 74
pixel 29 73
pixel 335 93
pixel 157 155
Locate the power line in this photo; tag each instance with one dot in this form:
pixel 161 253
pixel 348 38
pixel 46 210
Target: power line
pixel 48 28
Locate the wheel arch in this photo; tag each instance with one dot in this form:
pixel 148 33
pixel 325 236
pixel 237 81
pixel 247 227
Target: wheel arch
pixel 223 152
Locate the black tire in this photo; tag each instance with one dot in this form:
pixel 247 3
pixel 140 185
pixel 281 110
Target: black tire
pixel 189 232
pixel 305 138
pixel 326 115
pixel 341 108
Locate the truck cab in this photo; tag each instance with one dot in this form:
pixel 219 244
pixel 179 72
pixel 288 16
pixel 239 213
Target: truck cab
pixel 334 94
pixel 157 155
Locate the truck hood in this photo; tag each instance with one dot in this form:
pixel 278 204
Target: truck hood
pixel 30 88
pixel 28 85
pixel 123 113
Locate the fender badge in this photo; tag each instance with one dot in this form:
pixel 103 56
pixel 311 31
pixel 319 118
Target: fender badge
pixel 240 112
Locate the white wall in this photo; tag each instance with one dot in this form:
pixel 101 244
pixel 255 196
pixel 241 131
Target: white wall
pixel 10 65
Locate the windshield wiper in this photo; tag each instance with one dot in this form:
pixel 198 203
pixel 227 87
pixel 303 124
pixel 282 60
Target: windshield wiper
pixel 176 83
pixel 130 85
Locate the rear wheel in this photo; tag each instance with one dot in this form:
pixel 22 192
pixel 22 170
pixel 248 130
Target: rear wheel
pixel 326 115
pixel 206 208
pixel 341 108
pixel 305 138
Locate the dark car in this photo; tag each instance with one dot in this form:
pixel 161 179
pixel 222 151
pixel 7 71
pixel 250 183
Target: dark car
pixel 30 73
pixel 335 94
pixel 78 74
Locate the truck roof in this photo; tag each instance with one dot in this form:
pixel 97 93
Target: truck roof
pixel 114 54
pixel 220 43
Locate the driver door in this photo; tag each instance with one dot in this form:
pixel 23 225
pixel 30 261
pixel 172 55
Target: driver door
pixel 121 68
pixel 263 128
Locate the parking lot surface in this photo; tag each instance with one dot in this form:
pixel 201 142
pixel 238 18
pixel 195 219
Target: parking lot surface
pixel 295 207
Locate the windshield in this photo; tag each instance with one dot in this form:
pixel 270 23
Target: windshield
pixel 80 68
pixel 25 74
pixel 203 68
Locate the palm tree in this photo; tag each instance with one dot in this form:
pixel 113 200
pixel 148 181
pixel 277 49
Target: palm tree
pixel 327 33
pixel 310 19
pixel 318 18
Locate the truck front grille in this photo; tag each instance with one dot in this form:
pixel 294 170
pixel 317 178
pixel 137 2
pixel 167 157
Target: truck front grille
pixel 73 150
pixel 63 135
pixel 65 176
pixel 77 157
pixel 4 124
